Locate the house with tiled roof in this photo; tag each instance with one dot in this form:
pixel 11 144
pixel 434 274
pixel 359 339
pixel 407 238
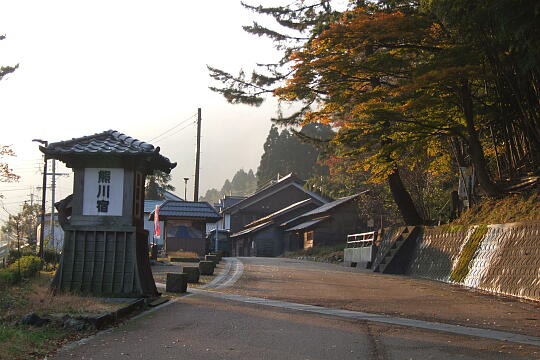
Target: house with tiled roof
pixel 184 227
pixel 328 224
pixel 272 197
pixel 264 236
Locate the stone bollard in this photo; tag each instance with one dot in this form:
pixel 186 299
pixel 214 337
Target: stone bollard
pixel 218 255
pixel 212 258
pixel 176 283
pixel 206 267
pixel 192 273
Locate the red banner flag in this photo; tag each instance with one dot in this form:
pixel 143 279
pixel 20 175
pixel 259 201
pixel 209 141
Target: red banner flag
pixel 157 227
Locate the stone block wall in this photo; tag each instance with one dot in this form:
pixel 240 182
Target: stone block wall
pixel 499 258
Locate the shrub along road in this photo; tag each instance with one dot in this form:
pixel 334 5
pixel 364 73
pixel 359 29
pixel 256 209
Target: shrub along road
pixel 222 322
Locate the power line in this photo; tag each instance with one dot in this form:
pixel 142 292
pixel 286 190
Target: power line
pixel 179 130
pixel 20 189
pixel 174 127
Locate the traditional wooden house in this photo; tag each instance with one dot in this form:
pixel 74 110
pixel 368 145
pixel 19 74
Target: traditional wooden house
pixel 264 236
pixel 273 197
pixel 326 225
pixel 185 225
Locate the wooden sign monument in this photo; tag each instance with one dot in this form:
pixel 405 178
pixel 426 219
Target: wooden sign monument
pixel 105 245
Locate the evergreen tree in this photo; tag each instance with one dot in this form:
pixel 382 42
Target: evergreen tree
pixel 293 152
pixel 156 185
pixel 242 184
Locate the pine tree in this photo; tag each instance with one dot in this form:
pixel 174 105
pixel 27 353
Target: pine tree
pixel 157 184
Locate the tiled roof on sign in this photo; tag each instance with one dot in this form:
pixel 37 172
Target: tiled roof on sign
pixel 107 142
pixel 199 210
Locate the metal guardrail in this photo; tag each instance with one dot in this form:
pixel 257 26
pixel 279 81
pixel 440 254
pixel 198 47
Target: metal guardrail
pixel 360 240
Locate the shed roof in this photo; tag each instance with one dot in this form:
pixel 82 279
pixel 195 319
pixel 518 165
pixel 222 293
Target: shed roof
pixel 252 229
pixel 306 225
pixel 193 210
pixel 150 205
pixel 272 187
pixel 108 142
pixel 283 211
pixel 321 210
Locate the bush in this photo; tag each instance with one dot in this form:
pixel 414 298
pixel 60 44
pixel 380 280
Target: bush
pixel 28 266
pixel 9 276
pixel 50 256
pixel 25 251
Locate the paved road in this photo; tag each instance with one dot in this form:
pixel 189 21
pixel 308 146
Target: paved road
pixel 220 323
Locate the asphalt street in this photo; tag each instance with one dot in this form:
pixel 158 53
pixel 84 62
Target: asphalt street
pixel 219 322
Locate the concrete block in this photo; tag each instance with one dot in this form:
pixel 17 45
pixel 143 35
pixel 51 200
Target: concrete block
pixel 213 258
pixel 217 255
pixel 176 283
pixel 206 267
pixel 192 272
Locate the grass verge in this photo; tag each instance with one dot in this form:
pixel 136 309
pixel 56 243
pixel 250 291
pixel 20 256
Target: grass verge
pixel 460 272
pixel 328 252
pixel 20 342
pixel 513 208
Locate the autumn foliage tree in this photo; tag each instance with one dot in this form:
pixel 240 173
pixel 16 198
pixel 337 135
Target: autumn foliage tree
pixel 430 87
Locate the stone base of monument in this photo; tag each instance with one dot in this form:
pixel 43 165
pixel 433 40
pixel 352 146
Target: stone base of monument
pixel 176 283
pixel 206 267
pixel 192 272
pixel 212 258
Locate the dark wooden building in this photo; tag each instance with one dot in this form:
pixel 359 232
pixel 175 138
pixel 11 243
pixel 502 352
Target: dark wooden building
pixel 185 225
pixel 263 237
pixel 277 195
pixel 328 224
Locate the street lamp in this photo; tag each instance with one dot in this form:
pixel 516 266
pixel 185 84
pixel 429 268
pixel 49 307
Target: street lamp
pixel 43 193
pixel 185 188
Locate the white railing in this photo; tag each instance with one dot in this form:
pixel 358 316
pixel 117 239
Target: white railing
pixel 360 240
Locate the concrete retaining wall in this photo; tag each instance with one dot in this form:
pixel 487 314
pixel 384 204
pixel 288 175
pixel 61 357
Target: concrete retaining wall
pixel 500 258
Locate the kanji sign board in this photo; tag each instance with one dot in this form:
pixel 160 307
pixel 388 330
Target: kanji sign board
pixel 103 191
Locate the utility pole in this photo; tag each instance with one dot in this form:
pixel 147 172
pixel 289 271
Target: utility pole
pixel 53 192
pixel 54 174
pixel 44 192
pixel 198 157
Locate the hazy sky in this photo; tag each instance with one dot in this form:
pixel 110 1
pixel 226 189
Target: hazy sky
pixel 138 67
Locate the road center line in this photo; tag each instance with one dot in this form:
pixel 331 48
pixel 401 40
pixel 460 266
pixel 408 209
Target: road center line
pixel 449 328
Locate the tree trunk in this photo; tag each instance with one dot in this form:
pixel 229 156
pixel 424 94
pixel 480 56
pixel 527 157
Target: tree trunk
pixel 403 200
pixel 475 148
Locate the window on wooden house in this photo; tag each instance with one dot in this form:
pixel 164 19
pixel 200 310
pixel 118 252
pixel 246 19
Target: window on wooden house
pixel 308 239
